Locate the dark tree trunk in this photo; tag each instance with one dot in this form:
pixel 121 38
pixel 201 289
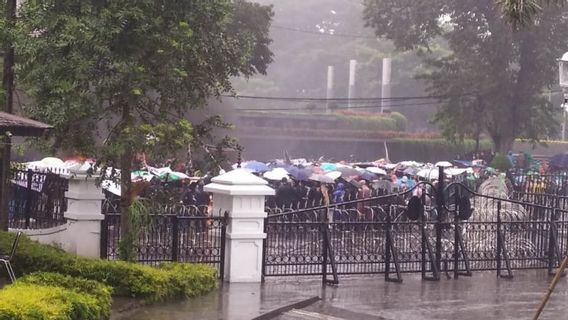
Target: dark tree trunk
pixel 125 184
pixel 8 86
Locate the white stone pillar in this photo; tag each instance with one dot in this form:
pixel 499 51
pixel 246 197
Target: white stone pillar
pixel 84 216
pixel 241 194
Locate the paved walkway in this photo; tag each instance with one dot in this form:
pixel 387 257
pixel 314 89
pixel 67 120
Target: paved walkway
pixel 482 296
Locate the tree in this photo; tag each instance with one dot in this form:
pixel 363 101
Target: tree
pixel 521 12
pixel 116 71
pixel 492 79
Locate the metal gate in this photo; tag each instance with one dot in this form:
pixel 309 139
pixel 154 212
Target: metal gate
pixel 173 234
pixel 448 231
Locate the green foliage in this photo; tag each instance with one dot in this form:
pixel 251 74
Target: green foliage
pixel 100 293
pixel 131 60
pixel 27 301
pixel 45 295
pixel 501 162
pixel 139 216
pixel 125 278
pixel 382 122
pixel 492 78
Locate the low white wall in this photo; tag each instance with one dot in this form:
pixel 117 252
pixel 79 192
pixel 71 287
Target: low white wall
pixel 56 236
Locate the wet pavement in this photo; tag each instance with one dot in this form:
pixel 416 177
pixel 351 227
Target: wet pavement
pixel 482 296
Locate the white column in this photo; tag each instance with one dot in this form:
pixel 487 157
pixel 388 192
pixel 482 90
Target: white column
pixel 84 201
pixel 241 194
pixel 329 90
pixel 386 84
pixel 352 81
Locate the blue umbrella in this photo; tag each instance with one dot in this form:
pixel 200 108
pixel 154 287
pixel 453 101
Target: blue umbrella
pixel 299 174
pixel 369 176
pixel 326 166
pixel 256 166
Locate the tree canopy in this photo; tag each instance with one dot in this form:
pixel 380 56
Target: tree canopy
pixel 115 77
pixel 83 63
pixel 493 79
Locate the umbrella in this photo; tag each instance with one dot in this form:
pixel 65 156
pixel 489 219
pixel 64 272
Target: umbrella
pixel 276 174
pixel 326 166
pixel 173 176
pixel 444 164
pixel 111 186
pixel 299 174
pixel 410 164
pixel 348 171
pixel 457 172
pixel 256 166
pixel 334 174
pixel 142 175
pixel 389 166
pixel 429 174
pixel 321 178
pixel 559 161
pixel 376 170
pixel 463 163
pixel 366 175
pixel 410 171
pixel 364 165
pixel 353 182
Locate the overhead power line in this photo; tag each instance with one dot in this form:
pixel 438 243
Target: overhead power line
pixel 342 107
pixel 325 34
pixel 311 99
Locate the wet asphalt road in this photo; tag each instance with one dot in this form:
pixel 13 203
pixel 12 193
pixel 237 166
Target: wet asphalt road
pixel 482 296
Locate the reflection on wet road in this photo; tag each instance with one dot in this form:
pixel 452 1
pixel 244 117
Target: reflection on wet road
pixel 482 296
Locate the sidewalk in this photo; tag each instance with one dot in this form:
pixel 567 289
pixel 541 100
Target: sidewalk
pixel 482 296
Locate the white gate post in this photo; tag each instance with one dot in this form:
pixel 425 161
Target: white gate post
pixel 242 195
pixel 84 216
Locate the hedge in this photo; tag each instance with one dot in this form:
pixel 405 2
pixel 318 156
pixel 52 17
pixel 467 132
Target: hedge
pixel 169 281
pixel 385 122
pixel 55 296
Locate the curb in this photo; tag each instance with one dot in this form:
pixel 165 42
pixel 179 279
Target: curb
pixel 297 305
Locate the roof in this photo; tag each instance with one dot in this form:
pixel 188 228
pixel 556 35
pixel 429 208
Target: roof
pixel 20 126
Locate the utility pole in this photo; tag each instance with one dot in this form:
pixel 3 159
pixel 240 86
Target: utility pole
pixel 386 84
pixel 8 87
pixel 329 92
pixel 352 76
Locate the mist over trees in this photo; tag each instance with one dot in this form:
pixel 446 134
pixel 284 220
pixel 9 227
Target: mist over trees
pixel 494 77
pixel 311 35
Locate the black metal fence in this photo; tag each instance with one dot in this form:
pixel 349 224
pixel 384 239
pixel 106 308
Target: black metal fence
pixel 173 233
pixel 385 235
pixel 37 199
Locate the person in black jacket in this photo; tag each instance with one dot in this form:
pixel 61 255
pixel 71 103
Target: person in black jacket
pixel 285 194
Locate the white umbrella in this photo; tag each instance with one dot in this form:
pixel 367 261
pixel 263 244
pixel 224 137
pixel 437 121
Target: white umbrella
pixel 376 170
pixel 455 171
pixel 321 178
pixel 276 174
pixel 334 175
pixel 51 161
pixel 410 164
pixel 444 164
pixel 111 187
pixel 389 166
pixel 429 174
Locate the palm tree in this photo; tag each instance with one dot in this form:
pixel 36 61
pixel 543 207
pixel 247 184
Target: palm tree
pixel 520 12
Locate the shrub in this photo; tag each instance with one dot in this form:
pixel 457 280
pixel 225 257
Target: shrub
pixel 37 297
pixel 400 121
pixel 99 291
pixel 125 278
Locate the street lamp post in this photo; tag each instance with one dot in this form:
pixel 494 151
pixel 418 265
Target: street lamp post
pixel 563 81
